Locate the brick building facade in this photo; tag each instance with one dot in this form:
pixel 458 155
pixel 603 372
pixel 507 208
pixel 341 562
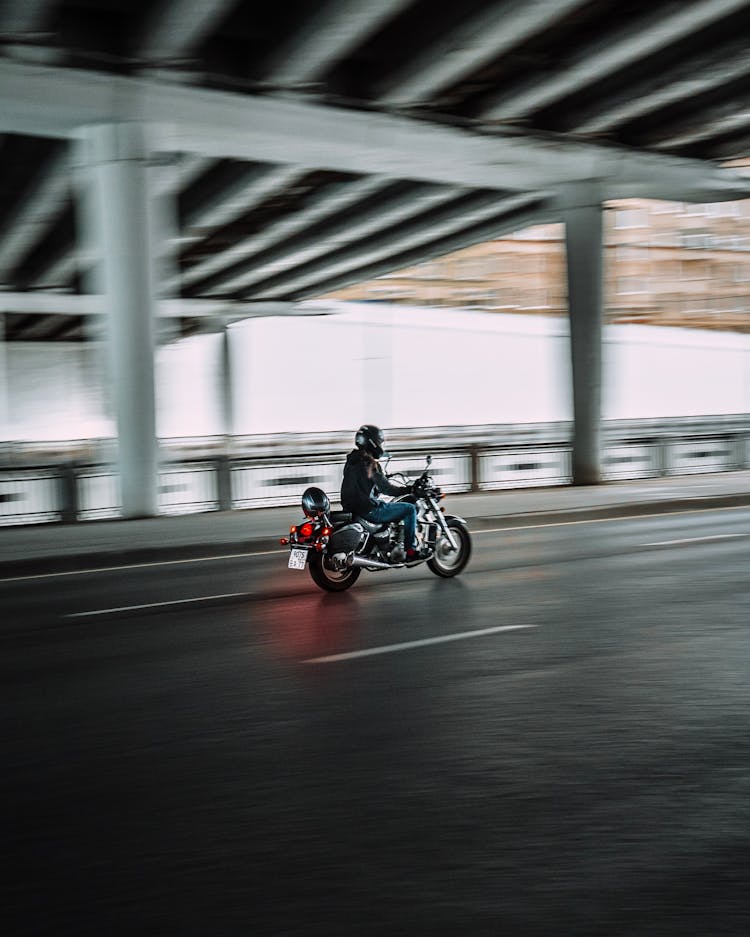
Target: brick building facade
pixel 666 263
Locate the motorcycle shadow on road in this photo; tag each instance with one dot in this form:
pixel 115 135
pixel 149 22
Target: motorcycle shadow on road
pixel 449 596
pixel 303 627
pixel 307 626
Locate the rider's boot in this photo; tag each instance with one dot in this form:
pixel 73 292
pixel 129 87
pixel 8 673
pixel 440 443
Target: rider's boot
pixel 417 554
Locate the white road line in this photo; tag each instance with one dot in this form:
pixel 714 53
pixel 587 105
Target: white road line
pixel 408 645
pixel 138 608
pixel 114 569
pixel 670 543
pixel 605 520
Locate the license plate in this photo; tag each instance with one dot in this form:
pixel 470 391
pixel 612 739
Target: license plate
pixel 297 559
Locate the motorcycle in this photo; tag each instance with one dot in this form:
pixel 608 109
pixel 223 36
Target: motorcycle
pixel 336 546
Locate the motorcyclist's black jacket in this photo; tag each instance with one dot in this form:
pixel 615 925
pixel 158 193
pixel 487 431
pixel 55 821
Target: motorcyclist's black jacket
pixel 360 489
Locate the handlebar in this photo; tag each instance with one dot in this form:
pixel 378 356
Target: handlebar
pixel 421 482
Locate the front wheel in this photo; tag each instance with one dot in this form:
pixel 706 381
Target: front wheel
pixel 448 562
pixel 328 578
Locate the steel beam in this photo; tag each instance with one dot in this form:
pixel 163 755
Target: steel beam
pixel 494 227
pixel 176 27
pixel 19 18
pixel 35 214
pixel 42 327
pixel 71 330
pixel 358 230
pixel 611 53
pixel 335 29
pixel 179 174
pixel 465 50
pixel 441 223
pixel 54 102
pixel 58 274
pixel 724 119
pixel 325 205
pixel 238 198
pixel 731 149
pixel 69 304
pixel 679 83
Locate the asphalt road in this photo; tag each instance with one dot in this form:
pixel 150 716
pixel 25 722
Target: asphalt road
pixel 554 743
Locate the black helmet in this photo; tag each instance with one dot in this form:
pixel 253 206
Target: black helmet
pixel 315 501
pixel 370 438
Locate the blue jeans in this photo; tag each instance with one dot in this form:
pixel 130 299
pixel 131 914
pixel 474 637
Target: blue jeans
pixel 397 511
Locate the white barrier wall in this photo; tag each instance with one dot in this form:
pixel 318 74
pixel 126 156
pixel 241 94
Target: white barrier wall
pixel 297 374
pixel 56 391
pixel 188 401
pixel 494 370
pixel 660 372
pixel 395 366
pixel 398 366
pixel 449 367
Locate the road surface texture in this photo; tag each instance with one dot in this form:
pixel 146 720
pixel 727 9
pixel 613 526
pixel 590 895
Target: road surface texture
pixel 554 743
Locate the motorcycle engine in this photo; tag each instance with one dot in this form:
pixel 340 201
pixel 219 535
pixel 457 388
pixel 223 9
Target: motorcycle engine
pixel 398 554
pixel 389 545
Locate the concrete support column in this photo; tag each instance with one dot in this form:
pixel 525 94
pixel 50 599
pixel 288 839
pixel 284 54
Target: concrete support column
pixel 226 400
pixel 584 248
pixel 5 433
pixel 225 385
pixel 116 162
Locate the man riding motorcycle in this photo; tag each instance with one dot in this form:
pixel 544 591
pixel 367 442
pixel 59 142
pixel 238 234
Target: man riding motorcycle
pixel 364 480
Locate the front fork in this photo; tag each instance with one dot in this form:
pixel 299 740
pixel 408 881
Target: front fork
pixel 442 523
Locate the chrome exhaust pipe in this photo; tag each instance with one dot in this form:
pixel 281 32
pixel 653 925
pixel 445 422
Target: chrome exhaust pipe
pixel 366 563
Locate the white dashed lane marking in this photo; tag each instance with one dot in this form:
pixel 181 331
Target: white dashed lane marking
pixel 409 645
pixel 672 543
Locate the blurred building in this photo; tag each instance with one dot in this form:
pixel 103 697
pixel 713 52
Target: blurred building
pixel 667 263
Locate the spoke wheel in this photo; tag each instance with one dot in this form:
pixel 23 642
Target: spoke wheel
pixel 328 578
pixel 448 562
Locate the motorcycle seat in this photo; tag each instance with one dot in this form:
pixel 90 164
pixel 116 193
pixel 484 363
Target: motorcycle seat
pixel 370 526
pixel 341 517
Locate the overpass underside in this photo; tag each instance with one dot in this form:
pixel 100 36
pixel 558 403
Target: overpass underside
pixel 176 166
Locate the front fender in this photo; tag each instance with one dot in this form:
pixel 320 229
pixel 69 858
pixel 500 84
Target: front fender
pixel 455 517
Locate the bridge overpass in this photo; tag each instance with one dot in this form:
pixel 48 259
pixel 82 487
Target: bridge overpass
pixel 179 165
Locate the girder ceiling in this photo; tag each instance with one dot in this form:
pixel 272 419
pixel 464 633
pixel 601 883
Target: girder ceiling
pixel 646 77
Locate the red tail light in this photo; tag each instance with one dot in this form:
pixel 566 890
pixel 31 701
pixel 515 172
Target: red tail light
pixel 306 530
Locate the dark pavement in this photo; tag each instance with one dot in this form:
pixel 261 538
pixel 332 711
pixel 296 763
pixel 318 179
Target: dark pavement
pixel 175 764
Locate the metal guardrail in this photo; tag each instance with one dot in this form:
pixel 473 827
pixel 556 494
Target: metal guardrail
pixel 30 497
pixel 267 472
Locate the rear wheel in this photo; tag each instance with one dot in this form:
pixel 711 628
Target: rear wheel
pixel 329 578
pixel 448 562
